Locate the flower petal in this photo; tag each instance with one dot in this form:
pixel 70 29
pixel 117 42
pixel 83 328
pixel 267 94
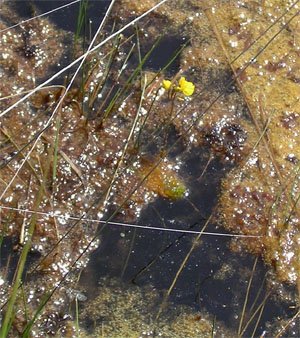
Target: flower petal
pixel 166 84
pixel 186 87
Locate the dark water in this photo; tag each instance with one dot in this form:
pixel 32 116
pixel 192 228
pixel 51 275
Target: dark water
pixel 156 257
pixel 65 18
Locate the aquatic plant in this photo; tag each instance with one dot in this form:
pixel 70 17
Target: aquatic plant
pixel 85 159
pixel 186 87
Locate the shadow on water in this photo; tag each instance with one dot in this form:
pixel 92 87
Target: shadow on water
pixel 66 18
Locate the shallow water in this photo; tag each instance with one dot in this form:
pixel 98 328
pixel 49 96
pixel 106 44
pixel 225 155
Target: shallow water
pixel 213 283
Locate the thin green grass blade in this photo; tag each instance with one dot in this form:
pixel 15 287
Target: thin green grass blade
pixel 3 232
pixel 80 19
pixel 138 43
pixel 77 318
pixel 281 190
pixel 134 75
pixel 129 253
pixel 13 297
pixel 125 61
pixel 174 57
pixel 56 147
pixel 28 327
pixel 108 66
pixel 213 327
pixel 286 215
pixel 24 303
pixel 169 62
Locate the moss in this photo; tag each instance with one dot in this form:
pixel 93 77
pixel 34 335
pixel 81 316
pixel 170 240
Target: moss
pixel 164 180
pixel 174 188
pixel 252 201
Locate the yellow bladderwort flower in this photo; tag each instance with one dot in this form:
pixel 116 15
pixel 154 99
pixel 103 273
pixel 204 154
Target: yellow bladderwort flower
pixel 186 87
pixel 166 84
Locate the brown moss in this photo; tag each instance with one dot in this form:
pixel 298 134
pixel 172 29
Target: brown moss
pixel 252 201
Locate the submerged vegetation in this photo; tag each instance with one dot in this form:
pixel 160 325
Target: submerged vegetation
pixel 106 135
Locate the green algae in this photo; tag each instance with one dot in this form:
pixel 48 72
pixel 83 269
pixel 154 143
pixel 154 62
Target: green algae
pixel 174 189
pixel 163 180
pixel 121 311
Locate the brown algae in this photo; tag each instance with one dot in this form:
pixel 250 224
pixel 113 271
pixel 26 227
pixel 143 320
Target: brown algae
pixel 90 158
pixel 259 198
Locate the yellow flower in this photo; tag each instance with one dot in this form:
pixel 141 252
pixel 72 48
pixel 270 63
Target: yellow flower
pixel 186 87
pixel 166 84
